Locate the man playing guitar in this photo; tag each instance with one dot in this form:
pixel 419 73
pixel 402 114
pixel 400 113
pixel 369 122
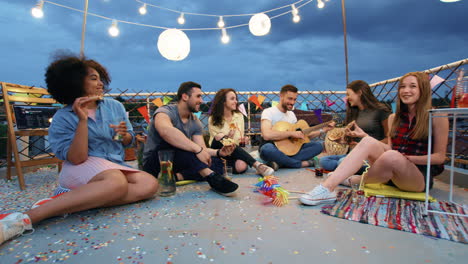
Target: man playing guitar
pixel 269 151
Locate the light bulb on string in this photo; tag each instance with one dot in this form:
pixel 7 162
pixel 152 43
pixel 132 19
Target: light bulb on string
pixel 294 10
pixel 113 29
pixel 37 10
pixel 320 4
pixel 224 36
pixel 142 9
pixel 296 18
pixel 181 19
pixel 221 23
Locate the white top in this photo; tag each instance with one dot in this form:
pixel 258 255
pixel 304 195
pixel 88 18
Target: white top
pixel 274 115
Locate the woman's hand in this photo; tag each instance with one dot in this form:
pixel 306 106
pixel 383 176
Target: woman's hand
pixel 80 106
pixel 227 150
pixel 353 130
pixel 120 129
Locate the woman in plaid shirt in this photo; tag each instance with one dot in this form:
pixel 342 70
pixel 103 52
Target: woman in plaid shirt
pixel 403 161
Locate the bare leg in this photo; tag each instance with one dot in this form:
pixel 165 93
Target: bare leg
pixel 392 165
pixel 110 187
pixel 368 149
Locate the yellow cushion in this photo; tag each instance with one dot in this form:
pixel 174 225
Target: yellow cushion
pixel 379 189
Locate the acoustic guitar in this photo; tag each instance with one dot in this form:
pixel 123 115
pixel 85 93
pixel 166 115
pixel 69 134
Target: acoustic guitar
pixel 291 146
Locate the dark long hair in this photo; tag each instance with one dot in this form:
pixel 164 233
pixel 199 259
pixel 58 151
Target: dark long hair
pixel 368 100
pixel 217 109
pixel 65 77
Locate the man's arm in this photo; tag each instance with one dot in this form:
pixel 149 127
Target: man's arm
pixel 269 134
pixel 172 135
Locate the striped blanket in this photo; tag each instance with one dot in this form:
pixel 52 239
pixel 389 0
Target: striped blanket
pixel 401 214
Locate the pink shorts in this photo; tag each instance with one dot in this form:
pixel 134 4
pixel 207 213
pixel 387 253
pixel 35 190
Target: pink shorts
pixel 72 176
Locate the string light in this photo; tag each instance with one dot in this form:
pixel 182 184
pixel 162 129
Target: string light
pixel 449 1
pixel 225 37
pixel 113 29
pixel 37 10
pixel 320 4
pixel 221 23
pixel 294 10
pixel 181 19
pixel 142 10
pixel 259 23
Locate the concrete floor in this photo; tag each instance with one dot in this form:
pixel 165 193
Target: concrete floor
pixel 199 226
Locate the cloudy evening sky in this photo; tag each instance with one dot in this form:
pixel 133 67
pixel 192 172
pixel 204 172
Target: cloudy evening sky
pixel 386 38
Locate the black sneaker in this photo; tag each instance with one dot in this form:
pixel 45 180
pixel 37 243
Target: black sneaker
pixel 220 184
pixel 273 165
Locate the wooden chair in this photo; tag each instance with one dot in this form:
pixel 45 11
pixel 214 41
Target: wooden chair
pixel 14 94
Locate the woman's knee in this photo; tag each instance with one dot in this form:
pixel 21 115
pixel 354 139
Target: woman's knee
pixel 116 182
pixel 392 159
pixel 147 187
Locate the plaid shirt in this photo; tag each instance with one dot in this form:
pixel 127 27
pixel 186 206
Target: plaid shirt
pixel 403 143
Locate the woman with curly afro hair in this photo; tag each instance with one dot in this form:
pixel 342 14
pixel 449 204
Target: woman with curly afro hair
pixel 83 134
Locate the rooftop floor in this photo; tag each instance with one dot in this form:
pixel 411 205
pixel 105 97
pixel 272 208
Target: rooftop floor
pixel 199 226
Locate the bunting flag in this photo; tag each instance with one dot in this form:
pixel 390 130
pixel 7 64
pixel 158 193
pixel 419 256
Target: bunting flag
pixel 310 106
pixel 436 80
pixel 393 107
pixel 329 103
pixel 261 98
pixel 303 106
pixel 144 112
pixel 241 108
pixel 158 102
pixel 318 114
pixel 211 108
pixel 254 99
pixel 167 100
pixel 198 114
pixel 274 103
pixel 345 100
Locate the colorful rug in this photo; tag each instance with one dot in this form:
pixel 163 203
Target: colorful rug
pixel 401 214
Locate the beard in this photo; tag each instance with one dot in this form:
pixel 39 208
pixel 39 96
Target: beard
pixel 192 109
pixel 286 107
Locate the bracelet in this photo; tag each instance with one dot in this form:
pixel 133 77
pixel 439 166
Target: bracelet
pixel 217 153
pixel 201 149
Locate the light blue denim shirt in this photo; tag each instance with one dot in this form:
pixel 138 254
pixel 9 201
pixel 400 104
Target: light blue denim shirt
pixel 100 142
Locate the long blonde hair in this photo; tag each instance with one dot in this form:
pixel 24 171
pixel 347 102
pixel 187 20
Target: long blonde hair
pixel 421 129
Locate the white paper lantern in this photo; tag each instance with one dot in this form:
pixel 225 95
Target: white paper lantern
pixel 173 44
pixel 259 24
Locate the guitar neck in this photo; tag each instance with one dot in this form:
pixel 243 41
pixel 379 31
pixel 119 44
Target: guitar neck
pixel 317 127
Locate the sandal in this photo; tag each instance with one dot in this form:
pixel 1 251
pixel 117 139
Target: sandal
pixel 264 170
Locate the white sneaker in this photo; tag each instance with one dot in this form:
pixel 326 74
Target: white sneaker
pixel 12 225
pixel 319 195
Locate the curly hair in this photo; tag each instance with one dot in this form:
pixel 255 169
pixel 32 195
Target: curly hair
pixel 217 112
pixel 65 77
pixel 368 100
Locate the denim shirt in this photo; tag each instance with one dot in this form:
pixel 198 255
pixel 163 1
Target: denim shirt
pixel 100 135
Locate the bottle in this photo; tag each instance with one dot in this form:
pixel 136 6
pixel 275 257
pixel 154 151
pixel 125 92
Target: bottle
pixel 166 178
pixel 318 168
pixel 462 93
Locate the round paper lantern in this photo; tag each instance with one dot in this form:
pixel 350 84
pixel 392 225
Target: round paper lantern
pixel 173 44
pixel 259 24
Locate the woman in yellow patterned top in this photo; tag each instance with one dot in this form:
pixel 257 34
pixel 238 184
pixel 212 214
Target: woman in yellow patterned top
pixel 226 122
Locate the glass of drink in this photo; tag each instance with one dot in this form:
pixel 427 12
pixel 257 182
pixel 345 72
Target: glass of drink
pixel 166 177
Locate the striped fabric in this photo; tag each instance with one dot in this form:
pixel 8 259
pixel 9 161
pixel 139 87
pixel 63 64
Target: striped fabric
pixel 401 214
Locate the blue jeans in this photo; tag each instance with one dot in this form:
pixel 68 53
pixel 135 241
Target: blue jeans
pixel 330 163
pixel 269 152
